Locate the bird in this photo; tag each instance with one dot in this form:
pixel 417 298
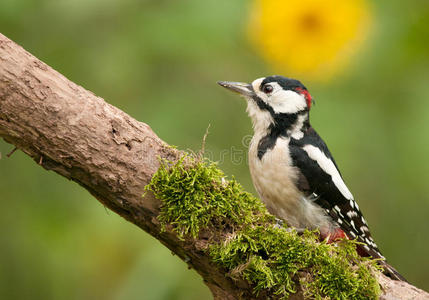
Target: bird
pixel 293 170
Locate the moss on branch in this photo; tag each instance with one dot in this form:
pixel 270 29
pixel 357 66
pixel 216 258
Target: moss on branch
pixel 248 242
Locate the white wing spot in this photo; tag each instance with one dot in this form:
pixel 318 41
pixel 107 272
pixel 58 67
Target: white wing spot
pixel 338 210
pixel 352 223
pixel 339 221
pixel 364 229
pixel 370 242
pixel 328 166
pixel 351 214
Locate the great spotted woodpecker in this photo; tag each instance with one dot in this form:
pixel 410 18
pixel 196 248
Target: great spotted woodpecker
pixel 292 168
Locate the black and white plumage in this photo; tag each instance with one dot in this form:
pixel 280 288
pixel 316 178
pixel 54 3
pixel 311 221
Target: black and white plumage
pixel 292 168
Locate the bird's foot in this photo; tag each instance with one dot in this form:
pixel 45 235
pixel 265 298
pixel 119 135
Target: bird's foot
pixel 333 235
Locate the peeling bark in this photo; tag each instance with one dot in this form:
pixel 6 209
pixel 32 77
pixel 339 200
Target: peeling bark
pixel 71 131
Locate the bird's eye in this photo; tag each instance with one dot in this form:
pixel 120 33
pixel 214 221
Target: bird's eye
pixel 267 89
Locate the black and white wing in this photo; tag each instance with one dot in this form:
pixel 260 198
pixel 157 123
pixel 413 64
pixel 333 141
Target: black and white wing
pixel 319 175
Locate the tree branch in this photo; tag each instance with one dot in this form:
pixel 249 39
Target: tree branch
pixel 69 130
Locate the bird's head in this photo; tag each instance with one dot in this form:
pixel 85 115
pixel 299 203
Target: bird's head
pixel 273 99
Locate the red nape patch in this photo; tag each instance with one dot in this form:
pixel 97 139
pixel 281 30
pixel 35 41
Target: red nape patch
pixel 307 96
pixel 333 236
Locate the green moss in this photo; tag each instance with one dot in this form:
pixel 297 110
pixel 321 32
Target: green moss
pixel 195 195
pixel 271 257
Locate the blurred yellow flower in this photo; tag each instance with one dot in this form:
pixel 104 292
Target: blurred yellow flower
pixel 308 38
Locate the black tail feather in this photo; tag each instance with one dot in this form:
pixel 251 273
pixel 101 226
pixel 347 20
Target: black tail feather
pixel 391 272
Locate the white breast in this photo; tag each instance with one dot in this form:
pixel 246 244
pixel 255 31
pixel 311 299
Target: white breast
pixel 274 178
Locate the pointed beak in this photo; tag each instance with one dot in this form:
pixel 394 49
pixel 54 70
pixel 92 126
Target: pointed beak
pixel 241 88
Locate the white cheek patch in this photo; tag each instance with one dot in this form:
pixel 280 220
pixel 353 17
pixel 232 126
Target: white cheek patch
pixel 286 101
pixel 328 166
pixel 282 101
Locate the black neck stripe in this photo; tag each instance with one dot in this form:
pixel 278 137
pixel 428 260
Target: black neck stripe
pixel 282 124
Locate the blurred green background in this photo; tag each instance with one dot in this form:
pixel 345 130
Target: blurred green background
pixel 159 61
